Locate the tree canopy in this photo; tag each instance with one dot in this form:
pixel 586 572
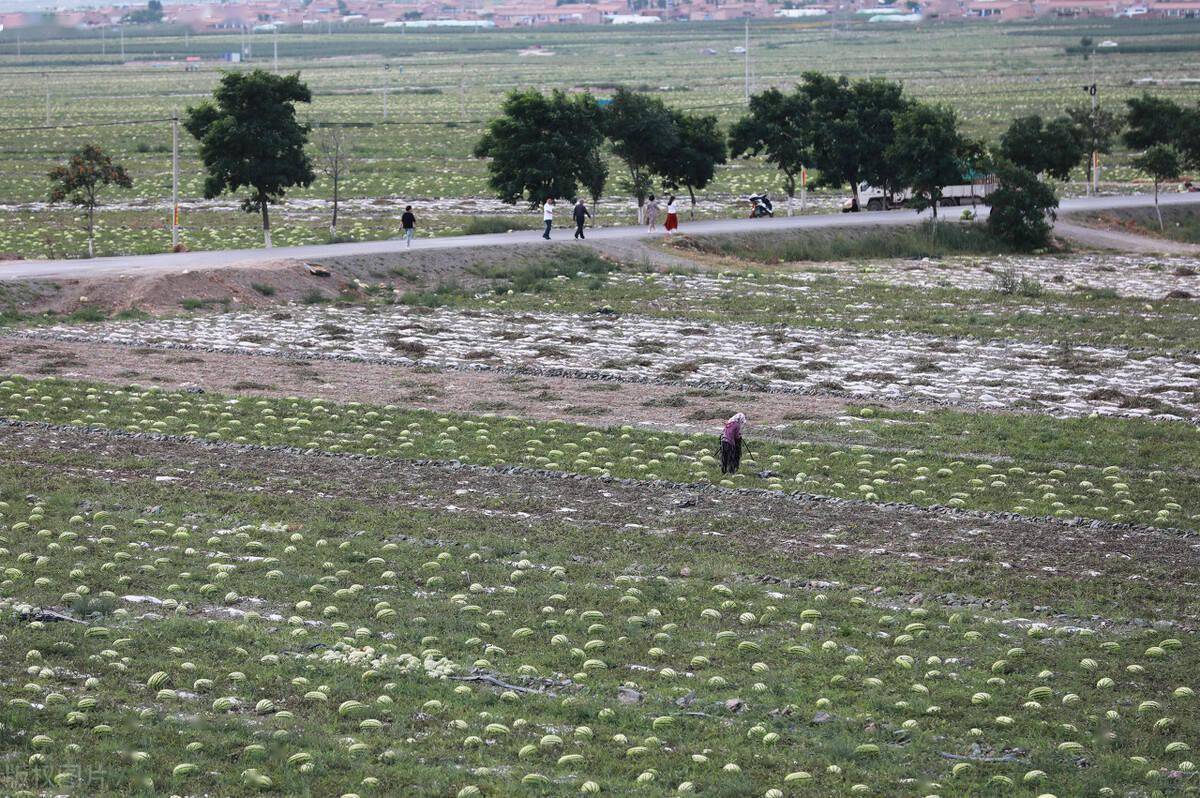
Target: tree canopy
pixel 850 127
pixel 1162 163
pixel 775 127
pixel 929 152
pixel 1151 120
pixel 80 181
pixel 1052 148
pixel 1022 206
pixel 701 149
pixel 643 134
pixel 544 146
pixel 249 137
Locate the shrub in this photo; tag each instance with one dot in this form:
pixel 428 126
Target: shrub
pixel 536 277
pixel 263 288
pixel 487 225
pixel 1022 209
pixel 926 240
pixel 1013 284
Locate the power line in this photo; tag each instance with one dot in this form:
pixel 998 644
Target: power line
pixel 86 124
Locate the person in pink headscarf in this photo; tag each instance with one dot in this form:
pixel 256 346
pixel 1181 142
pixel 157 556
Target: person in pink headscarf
pixel 731 444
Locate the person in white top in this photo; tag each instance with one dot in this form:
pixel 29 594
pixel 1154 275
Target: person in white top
pixel 548 217
pixel 672 223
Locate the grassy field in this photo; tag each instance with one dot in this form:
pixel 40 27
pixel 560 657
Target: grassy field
pixel 440 101
pixel 455 527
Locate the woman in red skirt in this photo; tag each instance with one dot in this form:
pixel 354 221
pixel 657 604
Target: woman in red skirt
pixel 672 223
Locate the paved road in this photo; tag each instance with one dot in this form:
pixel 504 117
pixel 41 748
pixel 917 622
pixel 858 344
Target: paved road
pixel 184 261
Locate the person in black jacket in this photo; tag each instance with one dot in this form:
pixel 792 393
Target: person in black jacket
pixel 408 222
pixel 581 215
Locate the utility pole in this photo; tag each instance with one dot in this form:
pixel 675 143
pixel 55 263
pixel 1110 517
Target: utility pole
pixel 46 80
pixel 104 41
pixel 462 92
pixel 1092 91
pixel 122 44
pixel 174 181
pixel 747 49
pixel 275 46
pixel 387 88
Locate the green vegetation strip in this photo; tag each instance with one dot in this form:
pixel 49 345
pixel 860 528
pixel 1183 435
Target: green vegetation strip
pixel 242 644
pixel 1110 492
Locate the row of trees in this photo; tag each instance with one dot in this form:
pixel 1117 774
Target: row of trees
pixel 849 132
pixel 553 146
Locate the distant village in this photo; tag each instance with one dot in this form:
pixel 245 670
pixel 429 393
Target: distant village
pixel 326 15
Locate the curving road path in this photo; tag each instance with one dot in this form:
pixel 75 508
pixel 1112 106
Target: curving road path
pixel 190 261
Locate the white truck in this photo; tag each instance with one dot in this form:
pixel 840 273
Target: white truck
pixel 873 198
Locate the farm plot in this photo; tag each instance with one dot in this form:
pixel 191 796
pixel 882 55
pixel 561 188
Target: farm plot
pixel 1153 490
pixel 227 641
pixel 1120 275
pixel 998 375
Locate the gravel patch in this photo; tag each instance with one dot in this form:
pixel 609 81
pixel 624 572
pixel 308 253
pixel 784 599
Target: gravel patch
pixel 995 375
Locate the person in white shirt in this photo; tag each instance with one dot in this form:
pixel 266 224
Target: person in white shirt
pixel 672 223
pixel 548 217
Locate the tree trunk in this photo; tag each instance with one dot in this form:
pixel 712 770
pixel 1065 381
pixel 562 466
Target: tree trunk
pixel 790 186
pixel 266 222
pixel 91 217
pixel 333 224
pixel 934 204
pixel 692 194
pixel 1157 211
pixel 854 188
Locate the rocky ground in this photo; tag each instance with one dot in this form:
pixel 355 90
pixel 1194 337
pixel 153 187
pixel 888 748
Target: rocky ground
pixel 995 375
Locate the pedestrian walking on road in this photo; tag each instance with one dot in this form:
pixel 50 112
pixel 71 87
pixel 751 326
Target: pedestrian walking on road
pixel 581 215
pixel 651 214
pixel 548 217
pixel 672 223
pixel 408 222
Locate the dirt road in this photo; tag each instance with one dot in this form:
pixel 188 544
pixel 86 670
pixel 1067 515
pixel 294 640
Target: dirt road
pixel 192 261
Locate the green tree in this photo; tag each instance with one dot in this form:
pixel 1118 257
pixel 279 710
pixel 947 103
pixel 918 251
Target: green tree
pixel 1022 208
pixel 1187 141
pixel 929 151
pixel 1096 129
pixel 541 146
pixel 701 150
pixel 1161 162
pixel 593 175
pixel 80 181
pixel 1152 120
pixel 850 128
pixel 1052 148
pixel 775 128
pixel 642 132
pixel 250 138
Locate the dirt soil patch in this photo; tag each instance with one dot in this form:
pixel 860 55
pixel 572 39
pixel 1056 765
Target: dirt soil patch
pixel 593 402
pixel 265 283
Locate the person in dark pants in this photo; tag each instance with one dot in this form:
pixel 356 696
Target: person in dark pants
pixel 409 224
pixel 548 217
pixel 581 214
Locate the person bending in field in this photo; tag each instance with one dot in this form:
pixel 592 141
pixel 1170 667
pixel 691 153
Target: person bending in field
pixel 732 444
